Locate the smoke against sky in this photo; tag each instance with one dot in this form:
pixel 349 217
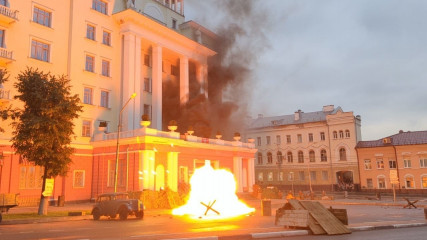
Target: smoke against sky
pixel 365 56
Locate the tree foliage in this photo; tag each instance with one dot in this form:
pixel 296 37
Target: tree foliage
pixel 45 127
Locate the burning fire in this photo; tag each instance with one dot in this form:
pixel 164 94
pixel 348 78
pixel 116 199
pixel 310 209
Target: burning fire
pixel 213 195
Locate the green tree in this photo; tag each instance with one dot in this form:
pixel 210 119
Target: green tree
pixel 44 128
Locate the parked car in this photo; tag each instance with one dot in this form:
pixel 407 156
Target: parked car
pixel 111 204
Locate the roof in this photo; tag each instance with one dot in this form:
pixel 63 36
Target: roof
pixel 319 116
pixel 399 139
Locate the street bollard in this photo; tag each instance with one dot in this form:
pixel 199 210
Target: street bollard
pixel 266 207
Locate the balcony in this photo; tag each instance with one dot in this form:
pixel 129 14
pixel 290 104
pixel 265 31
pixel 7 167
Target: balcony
pixel 8 15
pixel 5 56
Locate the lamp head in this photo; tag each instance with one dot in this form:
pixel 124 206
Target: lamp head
pixel 133 95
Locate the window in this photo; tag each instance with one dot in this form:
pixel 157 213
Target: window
pixel 407 163
pixel 279 157
pixel 90 32
pixel 105 68
pixel 106 38
pixel 30 177
pixel 270 176
pixel 90 63
pixel 173 23
pixel 174 70
pixel 335 134
pixel 42 17
pixel 409 181
pixel 278 140
pixel 290 158
pixel 322 136
pixel 423 163
pixel 323 156
pixel 368 165
pixel 341 134
pixel 310 137
pixel 269 158
pixel 105 96
pixel 268 140
pixel 300 157
pixel 86 128
pixel 424 181
pixel 381 182
pixel 288 138
pixel 147 85
pixel 280 176
pixel 347 133
pixel 147 110
pixel 313 175
pixel 380 164
pixel 87 99
pixel 260 176
pixel 258 141
pixel 369 183
pixel 325 175
pixel 301 175
pixel 343 156
pixel 299 137
pixel 40 51
pixel 311 156
pixel 392 164
pixel 78 178
pixel 260 158
pixel 2 43
pixel 147 60
pixel 100 6
pixel 3 3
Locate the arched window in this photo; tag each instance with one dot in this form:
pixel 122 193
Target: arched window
pixel 300 157
pixel 343 155
pixel 269 158
pixel 347 133
pixel 335 134
pixel 279 157
pixel 290 157
pixel 341 134
pixel 323 157
pixel 259 158
pixel 311 156
pixel 424 181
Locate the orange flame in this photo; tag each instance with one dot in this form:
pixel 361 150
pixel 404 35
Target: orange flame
pixel 213 195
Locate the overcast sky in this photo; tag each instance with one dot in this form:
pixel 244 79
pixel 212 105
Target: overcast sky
pixel 367 56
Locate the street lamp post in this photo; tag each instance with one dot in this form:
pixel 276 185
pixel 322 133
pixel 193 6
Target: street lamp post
pixel 118 139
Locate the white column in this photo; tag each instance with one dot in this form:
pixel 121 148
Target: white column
pixel 237 170
pixel 182 7
pixel 147 168
pixel 201 76
pixel 128 83
pixel 251 173
pixel 172 171
pixel 183 80
pixel 157 88
pixel 137 87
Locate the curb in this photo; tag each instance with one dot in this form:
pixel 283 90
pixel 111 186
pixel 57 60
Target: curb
pixel 300 232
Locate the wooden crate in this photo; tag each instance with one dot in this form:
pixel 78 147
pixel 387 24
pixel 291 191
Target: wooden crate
pixel 341 214
pixel 293 218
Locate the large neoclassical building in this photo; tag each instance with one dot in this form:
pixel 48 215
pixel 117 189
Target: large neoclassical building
pixel 307 149
pixel 111 49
